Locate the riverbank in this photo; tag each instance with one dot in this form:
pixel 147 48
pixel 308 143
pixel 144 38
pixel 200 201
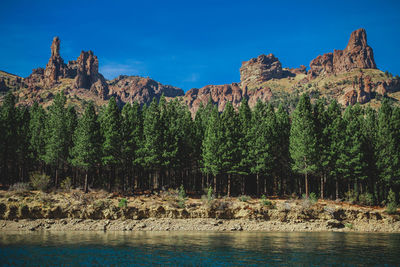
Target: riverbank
pixel 100 211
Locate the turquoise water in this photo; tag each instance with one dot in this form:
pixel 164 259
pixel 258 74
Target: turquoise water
pixel 198 249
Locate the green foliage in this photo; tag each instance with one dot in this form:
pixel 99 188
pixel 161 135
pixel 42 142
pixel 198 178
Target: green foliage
pixel 66 184
pixel 182 193
pixel 123 203
pixel 266 202
pixel 366 199
pixel 349 225
pixel 244 198
pixel 210 195
pixel 40 181
pixel 391 207
pixel 20 187
pixel 351 196
pixel 313 197
pixel 303 139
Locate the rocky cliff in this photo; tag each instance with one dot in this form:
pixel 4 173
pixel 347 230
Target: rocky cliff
pixel 349 76
pixel 356 55
pixel 142 90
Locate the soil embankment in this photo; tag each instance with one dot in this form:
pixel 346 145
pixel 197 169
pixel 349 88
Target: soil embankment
pixel 74 211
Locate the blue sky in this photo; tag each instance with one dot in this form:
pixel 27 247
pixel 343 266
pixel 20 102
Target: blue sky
pixel 191 44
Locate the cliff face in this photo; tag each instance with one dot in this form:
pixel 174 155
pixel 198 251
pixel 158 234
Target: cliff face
pixel 142 90
pixel 260 69
pixel 356 55
pixel 349 76
pixel 84 70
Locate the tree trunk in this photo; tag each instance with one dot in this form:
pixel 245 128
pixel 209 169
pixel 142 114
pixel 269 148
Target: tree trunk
pixel 322 186
pixel 337 189
pixel 86 183
pixel 215 185
pixel 229 185
pixel 258 183
pixel 56 181
pixel 306 181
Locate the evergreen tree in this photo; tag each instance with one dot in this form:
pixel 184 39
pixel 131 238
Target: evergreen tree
pixel 282 162
pixel 132 133
pixel 211 151
pixel 386 147
pixel 23 136
pixel 112 139
pixel 259 145
pixel 86 151
pixel 153 141
pixel 303 140
pixel 37 132
pixel 8 139
pixel 56 152
pixel 230 151
pixel 243 145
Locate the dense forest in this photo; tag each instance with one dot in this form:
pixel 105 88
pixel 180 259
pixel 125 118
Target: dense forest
pixel 317 148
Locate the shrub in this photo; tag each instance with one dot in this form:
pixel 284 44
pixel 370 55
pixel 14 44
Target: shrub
pixel 366 199
pixel 181 197
pixel 123 203
pixel 20 187
pixel 313 197
pixel 210 195
pixel 391 207
pixel 349 225
pixel 266 202
pixel 66 184
pixel 182 193
pixel 351 196
pixel 244 198
pixel 40 181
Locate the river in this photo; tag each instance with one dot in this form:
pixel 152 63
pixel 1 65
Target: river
pixel 198 248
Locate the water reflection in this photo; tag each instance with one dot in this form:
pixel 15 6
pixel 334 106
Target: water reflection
pixel 198 248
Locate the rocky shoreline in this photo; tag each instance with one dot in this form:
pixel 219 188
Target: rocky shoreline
pixel 99 211
pixel 208 224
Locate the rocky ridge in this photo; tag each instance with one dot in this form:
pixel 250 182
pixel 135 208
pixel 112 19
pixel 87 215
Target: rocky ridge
pixel 349 76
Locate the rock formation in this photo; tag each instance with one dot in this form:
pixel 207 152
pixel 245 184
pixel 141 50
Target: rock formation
pixel 260 69
pixel 219 94
pixel 86 72
pixel 55 68
pixel 357 54
pixel 133 88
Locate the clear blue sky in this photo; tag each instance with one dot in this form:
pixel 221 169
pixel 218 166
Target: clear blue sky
pixel 192 43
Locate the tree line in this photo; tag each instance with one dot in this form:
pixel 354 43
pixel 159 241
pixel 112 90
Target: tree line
pixel 265 150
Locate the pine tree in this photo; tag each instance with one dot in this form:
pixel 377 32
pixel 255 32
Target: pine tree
pixel 282 130
pixel 230 151
pixel 132 133
pixel 86 151
pixel 211 151
pixel 153 141
pixel 23 136
pixel 243 145
pixel 259 145
pixel 56 135
pixel 334 131
pixel 37 132
pixel 303 140
pixel 8 139
pixel 112 140
pixel 386 147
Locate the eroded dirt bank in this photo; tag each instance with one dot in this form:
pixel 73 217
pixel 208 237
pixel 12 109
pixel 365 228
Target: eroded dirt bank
pixel 95 211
